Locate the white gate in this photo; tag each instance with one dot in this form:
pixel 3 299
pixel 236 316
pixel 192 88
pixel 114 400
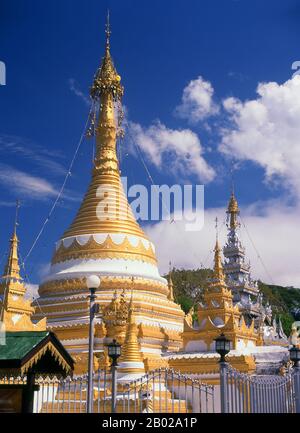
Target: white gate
pixel 244 393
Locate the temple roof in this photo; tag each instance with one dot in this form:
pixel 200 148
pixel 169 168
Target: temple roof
pixel 38 351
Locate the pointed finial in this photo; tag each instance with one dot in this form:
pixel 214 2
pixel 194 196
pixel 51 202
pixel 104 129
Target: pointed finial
pixel 231 177
pixel 233 210
pixel 107 30
pixel 12 268
pixel 16 216
pixel 216 227
pixel 170 283
pixel 107 81
pixel 218 267
pixel 131 302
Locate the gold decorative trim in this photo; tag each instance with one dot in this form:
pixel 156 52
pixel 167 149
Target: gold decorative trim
pixel 106 250
pixel 107 283
pixel 52 349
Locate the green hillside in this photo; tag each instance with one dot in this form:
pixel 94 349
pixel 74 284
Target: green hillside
pixel 189 284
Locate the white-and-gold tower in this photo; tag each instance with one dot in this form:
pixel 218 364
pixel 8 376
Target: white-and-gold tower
pixel 105 239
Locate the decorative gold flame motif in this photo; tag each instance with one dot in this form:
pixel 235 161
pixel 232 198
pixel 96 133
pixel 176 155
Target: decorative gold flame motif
pixel 115 315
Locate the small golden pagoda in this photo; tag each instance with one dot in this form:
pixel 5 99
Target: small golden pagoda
pixel 131 360
pixel 16 311
pixel 217 314
pixel 105 239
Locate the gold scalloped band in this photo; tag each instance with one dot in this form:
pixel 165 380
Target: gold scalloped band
pixel 106 249
pixel 107 283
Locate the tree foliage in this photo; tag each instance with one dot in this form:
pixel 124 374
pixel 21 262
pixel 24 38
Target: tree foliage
pixel 189 285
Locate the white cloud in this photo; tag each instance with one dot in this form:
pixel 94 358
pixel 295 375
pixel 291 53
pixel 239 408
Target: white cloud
pixel 197 101
pixel 178 149
pixel 31 291
pixel 43 269
pixel 23 148
pixel 274 232
pixel 4 203
pixel 25 184
pixel 266 131
pixel 76 90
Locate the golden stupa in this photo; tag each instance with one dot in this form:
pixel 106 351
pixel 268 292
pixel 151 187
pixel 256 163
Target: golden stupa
pixel 15 311
pixel 105 239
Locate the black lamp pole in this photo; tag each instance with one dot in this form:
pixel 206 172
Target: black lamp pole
pixel 295 357
pixel 114 352
pixel 223 348
pixel 93 282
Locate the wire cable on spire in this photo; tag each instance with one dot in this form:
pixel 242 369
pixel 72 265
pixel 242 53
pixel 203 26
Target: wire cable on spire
pixel 69 172
pixel 257 253
pixel 107 28
pixel 140 155
pixel 232 177
pixel 18 204
pixel 216 227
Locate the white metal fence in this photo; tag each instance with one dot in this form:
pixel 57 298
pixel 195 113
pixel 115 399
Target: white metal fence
pixel 162 390
pixel 167 391
pixel 244 393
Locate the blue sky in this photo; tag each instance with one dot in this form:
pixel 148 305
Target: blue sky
pixel 51 51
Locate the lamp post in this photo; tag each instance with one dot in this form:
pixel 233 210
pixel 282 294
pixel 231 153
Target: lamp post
pixel 223 348
pixel 114 352
pixel 295 358
pixel 93 283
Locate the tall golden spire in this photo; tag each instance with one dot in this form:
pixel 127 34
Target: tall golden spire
pixel 16 311
pixel 12 268
pixel 233 211
pixel 218 267
pixel 108 91
pixel 105 208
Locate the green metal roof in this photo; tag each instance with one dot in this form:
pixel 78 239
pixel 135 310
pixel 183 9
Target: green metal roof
pixel 19 344
pixel 39 351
